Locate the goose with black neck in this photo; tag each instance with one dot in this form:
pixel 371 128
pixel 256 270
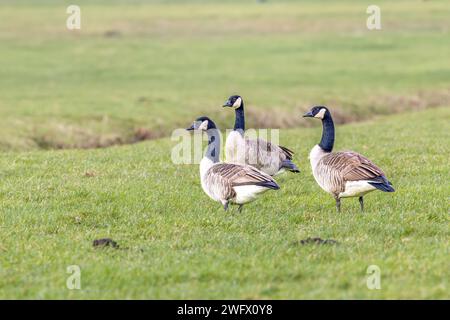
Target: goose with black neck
pixel 342 174
pixel 226 182
pixel 263 155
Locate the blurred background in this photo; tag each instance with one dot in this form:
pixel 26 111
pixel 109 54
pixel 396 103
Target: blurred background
pixel 138 69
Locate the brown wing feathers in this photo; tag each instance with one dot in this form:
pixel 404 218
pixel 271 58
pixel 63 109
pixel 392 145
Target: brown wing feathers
pixel 263 148
pixel 236 175
pixel 289 153
pixel 353 166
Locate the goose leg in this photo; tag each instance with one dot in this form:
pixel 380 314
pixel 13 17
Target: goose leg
pixel 240 208
pixel 338 205
pixel 225 206
pixel 361 202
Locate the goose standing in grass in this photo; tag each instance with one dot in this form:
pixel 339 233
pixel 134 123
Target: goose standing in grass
pixel 343 174
pixel 265 156
pixel 225 182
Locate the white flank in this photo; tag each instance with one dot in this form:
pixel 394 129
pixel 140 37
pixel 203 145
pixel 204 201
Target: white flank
pixel 356 189
pixel 245 194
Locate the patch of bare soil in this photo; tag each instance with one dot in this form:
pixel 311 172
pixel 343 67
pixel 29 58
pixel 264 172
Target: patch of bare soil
pixel 315 240
pixel 105 242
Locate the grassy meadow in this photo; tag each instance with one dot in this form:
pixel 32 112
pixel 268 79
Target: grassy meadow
pixel 138 69
pixel 73 104
pixel 176 243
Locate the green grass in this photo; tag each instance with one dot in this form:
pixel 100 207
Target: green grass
pixel 177 243
pixel 168 60
pixel 152 66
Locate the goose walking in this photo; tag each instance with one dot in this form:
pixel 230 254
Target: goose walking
pixel 265 156
pixel 343 174
pixel 225 182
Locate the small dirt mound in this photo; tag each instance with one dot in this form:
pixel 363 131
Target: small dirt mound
pixel 112 34
pixel 105 242
pixel 310 240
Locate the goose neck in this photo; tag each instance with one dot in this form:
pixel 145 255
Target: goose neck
pixel 213 150
pixel 239 123
pixel 327 141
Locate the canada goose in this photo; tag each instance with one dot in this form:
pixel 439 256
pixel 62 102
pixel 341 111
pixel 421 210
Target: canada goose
pixel 343 174
pixel 263 155
pixel 226 182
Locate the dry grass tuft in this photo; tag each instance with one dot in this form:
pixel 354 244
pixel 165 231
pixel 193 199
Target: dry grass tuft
pixel 142 134
pixel 90 174
pixel 418 101
pixel 62 136
pixel 279 119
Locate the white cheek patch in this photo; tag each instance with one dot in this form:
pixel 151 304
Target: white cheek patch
pixel 203 125
pixel 320 114
pixel 237 103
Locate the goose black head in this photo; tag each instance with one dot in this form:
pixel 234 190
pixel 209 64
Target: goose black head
pixel 319 112
pixel 234 101
pixel 203 124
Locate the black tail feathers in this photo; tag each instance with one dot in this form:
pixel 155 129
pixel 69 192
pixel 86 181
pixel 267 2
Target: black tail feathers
pixel 270 185
pixel 383 184
pixel 289 165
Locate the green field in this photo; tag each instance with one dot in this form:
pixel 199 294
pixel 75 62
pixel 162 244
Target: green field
pixel 177 243
pixel 153 65
pixel 137 70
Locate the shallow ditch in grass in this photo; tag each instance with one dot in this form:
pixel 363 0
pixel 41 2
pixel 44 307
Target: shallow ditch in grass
pixel 68 136
pixel 86 139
